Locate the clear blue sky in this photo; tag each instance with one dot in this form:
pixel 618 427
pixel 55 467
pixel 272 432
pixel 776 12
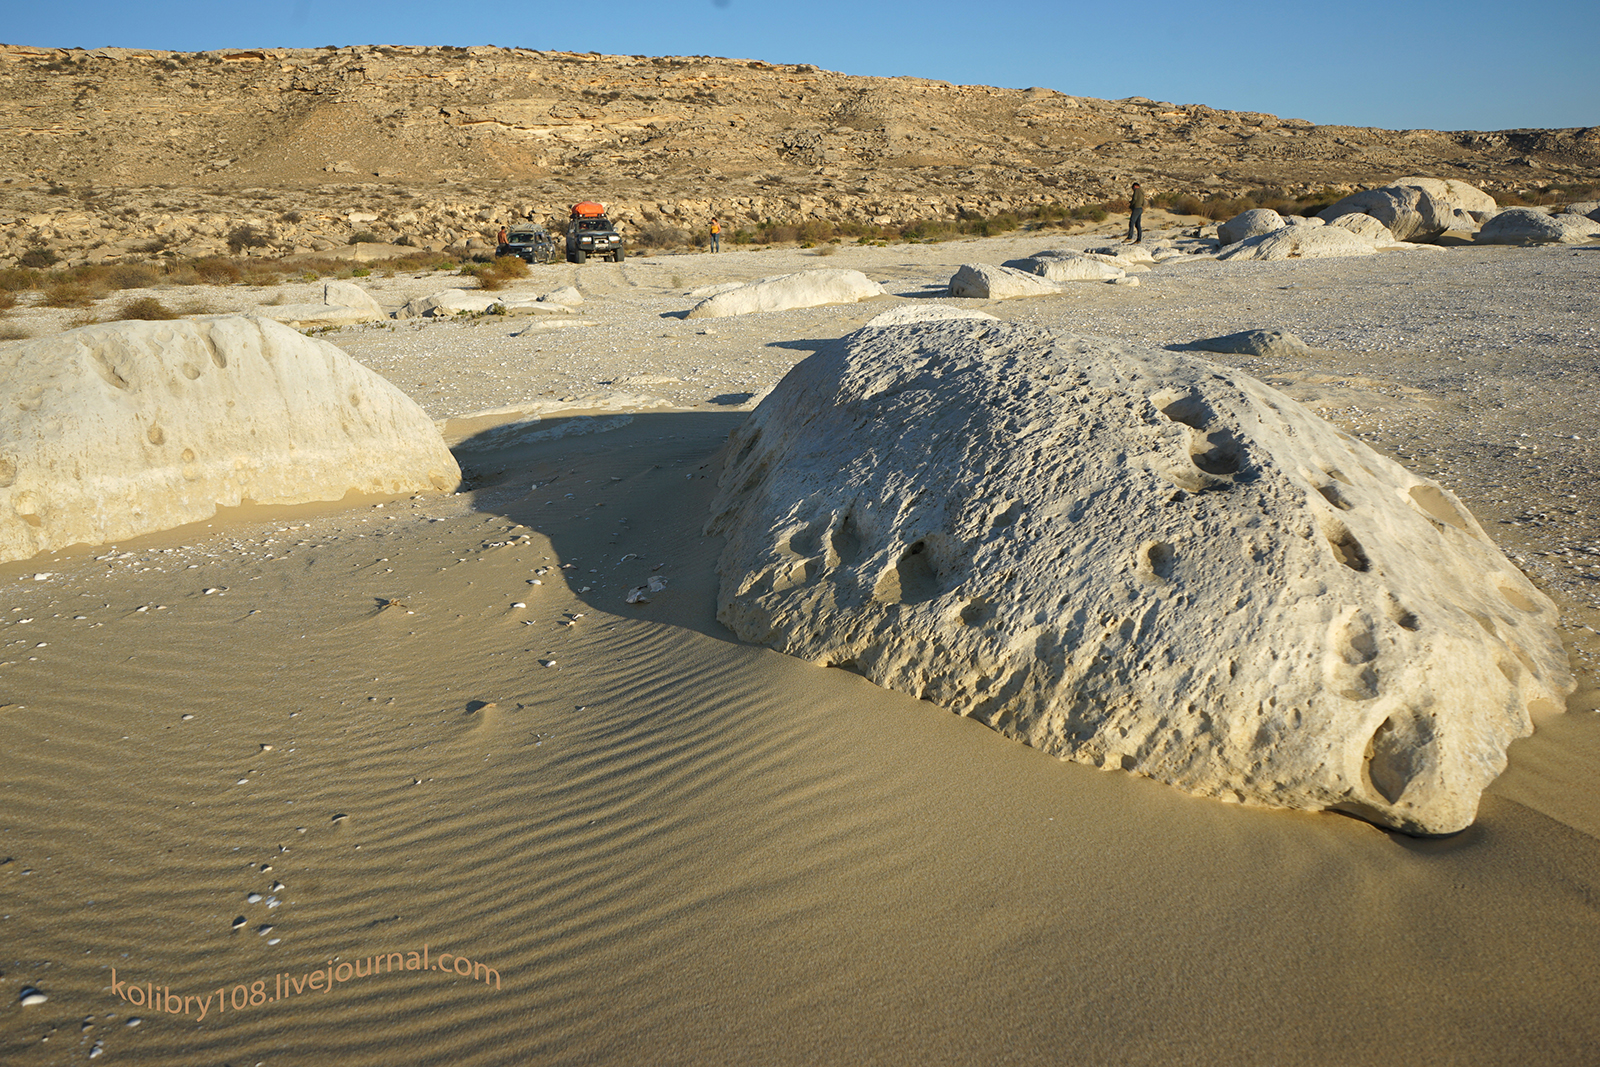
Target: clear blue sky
pixel 1401 64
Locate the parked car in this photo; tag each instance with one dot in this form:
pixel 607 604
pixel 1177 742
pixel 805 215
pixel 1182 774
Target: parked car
pixel 531 244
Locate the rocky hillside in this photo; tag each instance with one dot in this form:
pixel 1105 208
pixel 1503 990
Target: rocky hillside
pixel 115 153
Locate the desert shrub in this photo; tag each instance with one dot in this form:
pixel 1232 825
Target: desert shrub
pixel 38 257
pixel 68 295
pixel 360 272
pixel 132 276
pixel 146 308
pixel 14 278
pixel 826 250
pixel 242 237
pixel 13 333
pixel 291 216
pixel 742 237
pixel 662 234
pixel 511 267
pixel 365 237
pixel 214 270
pixel 8 300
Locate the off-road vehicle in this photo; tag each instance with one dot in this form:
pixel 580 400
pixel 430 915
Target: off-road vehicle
pixel 531 244
pixel 590 233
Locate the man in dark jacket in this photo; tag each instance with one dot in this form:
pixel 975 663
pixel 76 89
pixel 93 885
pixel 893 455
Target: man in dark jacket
pixel 1136 216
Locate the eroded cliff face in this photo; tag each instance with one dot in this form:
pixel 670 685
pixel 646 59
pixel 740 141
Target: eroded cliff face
pixel 124 147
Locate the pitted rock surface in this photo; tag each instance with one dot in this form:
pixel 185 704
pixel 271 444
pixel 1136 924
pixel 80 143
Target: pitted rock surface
pixel 1138 560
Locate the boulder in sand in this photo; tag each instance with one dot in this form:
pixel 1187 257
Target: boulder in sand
pixel 122 429
pixel 1418 209
pixel 1529 226
pixel 985 281
pixel 1301 242
pixel 1587 208
pixel 1252 223
pixel 808 288
pixel 1068 265
pixel 1364 226
pixel 343 304
pixel 1134 559
pixel 450 302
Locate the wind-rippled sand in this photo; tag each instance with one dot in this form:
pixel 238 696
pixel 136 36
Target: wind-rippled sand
pixel 651 844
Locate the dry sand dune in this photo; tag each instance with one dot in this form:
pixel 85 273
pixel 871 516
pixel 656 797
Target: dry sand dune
pixel 672 848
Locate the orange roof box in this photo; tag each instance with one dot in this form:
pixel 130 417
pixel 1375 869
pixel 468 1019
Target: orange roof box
pixel 588 210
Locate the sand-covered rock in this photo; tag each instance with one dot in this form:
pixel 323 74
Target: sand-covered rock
pixel 985 281
pixel 1067 265
pixel 1251 343
pixel 906 314
pixel 1252 223
pixel 121 429
pixel 1138 560
pixel 1529 226
pixel 1301 242
pixel 804 289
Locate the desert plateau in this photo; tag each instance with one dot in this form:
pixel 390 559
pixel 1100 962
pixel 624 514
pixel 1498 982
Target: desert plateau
pixel 932 629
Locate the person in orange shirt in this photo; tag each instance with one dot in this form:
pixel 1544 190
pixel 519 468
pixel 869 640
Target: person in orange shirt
pixel 716 236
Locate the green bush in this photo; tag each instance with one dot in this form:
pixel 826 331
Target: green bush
pixel 38 258
pixel 365 237
pixel 242 237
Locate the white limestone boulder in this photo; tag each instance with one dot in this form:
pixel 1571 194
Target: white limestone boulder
pixel 343 304
pixel 1252 223
pixel 1068 265
pixel 122 429
pixel 985 281
pixel 906 314
pixel 1418 209
pixel 807 288
pixel 567 295
pixel 448 303
pixel 1301 242
pixel 1363 225
pixel 1588 208
pixel 1529 226
pixel 1134 559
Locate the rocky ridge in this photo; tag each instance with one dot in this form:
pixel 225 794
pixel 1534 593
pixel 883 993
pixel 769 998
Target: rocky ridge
pixel 116 153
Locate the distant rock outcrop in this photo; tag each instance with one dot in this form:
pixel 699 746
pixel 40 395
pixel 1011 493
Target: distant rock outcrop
pixel 1137 560
pixel 808 288
pixel 122 429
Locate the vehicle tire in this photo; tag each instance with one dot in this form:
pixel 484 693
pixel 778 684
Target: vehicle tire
pixel 616 257
pixel 579 256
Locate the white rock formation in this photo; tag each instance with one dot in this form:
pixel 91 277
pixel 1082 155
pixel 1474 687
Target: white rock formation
pixel 1068 265
pixel 1363 225
pixel 808 288
pixel 343 304
pixel 1301 242
pixel 567 295
pixel 1418 209
pixel 1252 223
pixel 126 428
pixel 906 314
pixel 1527 226
pixel 985 281
pixel 450 302
pixel 1587 208
pixel 1134 559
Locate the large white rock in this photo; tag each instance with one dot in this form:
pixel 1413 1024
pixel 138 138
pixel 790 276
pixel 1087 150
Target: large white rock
pixel 808 288
pixel 1135 559
pixel 1252 223
pixel 1068 265
pixel 985 281
pixel 1418 209
pixel 1587 208
pixel 126 428
pixel 343 304
pixel 1363 225
pixel 1526 225
pixel 1301 242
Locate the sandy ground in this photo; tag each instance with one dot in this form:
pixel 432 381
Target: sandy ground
pixel 302 739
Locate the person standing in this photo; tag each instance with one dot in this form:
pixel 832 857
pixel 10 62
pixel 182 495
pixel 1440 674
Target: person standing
pixel 1135 216
pixel 716 235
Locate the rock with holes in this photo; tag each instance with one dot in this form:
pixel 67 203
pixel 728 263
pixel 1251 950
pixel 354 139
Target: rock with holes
pixel 1135 559
pixel 126 428
pixel 805 289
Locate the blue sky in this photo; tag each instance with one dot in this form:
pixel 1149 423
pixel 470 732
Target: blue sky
pixel 1465 65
